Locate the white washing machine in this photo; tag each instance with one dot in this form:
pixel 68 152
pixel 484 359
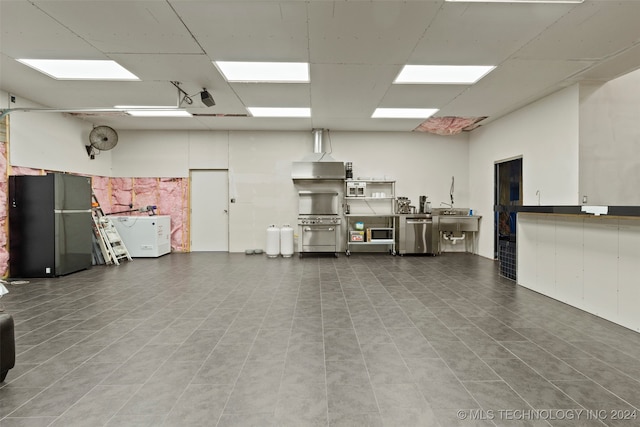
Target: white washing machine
pixel 145 236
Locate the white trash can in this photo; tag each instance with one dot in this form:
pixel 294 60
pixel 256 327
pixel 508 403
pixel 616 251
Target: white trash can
pixel 273 241
pixel 286 241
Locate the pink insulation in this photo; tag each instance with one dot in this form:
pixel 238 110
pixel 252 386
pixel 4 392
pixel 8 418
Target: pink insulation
pixel 121 195
pixel 18 170
pixel 146 192
pixel 174 199
pixel 100 186
pixel 448 125
pixel 169 195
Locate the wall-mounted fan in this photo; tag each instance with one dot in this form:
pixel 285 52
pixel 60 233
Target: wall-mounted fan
pixel 101 138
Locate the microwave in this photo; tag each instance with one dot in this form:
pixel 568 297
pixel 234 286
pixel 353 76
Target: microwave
pixel 374 234
pixel 356 189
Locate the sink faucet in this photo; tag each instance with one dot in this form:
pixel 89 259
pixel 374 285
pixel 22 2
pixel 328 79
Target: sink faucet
pixel 447 204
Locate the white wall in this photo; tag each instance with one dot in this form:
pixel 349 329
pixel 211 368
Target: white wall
pixel 420 163
pixel 545 135
pixel 610 141
pixel 259 165
pixel 52 141
pixel 588 262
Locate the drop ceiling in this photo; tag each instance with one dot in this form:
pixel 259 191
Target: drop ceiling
pixel 355 50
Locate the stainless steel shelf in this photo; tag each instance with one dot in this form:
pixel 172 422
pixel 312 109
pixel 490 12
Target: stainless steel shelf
pixel 369 198
pixel 368 202
pixel 377 242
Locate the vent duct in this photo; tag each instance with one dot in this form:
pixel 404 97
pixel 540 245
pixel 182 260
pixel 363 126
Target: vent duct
pixel 319 165
pixel 319 154
pixel 318 141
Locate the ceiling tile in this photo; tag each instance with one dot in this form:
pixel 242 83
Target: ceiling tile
pixel 43 38
pixel 273 94
pixel 420 96
pixel 482 33
pixel 366 32
pixel 239 31
pixel 595 30
pixel 515 82
pixel 352 91
pixel 134 26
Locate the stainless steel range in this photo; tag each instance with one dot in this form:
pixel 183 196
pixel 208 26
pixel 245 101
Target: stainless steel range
pixel 319 234
pixel 318 222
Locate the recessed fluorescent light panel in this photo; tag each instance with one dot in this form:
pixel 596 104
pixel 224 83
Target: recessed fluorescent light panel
pixel 279 112
pixel 515 1
pixel 442 74
pixel 266 72
pixel 159 113
pixel 403 113
pixel 80 69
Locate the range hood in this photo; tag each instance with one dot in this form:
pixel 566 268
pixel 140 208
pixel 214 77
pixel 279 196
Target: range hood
pixel 319 165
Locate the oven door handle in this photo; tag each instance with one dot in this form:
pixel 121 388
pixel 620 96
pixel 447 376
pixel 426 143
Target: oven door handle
pixel 319 229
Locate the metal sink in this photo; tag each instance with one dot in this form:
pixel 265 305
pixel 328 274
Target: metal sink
pixel 453 213
pixel 458 223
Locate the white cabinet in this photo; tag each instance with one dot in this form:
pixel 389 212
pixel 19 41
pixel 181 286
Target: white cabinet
pixel 370 212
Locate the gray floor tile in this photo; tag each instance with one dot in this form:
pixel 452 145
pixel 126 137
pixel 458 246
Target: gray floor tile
pixel 302 404
pixel 591 395
pixel 537 391
pixel 301 370
pixel 57 398
pixel 96 407
pixel 253 398
pixel 162 390
pixel 410 417
pixel 27 422
pixel 411 343
pixel 351 399
pixel 396 397
pixel 495 395
pixel 199 405
pixel 14 397
pixel 351 371
pixel 248 420
pixel 543 362
pixel 425 370
pixel 341 344
pixel 141 366
pixel 355 420
pixel 447 395
pixel 367 340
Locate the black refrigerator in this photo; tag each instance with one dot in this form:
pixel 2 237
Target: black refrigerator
pixel 50 225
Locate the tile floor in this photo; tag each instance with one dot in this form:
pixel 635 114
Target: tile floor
pixel 211 339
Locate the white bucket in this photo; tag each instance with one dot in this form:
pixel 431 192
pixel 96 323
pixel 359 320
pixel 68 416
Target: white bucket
pixel 286 241
pixel 273 241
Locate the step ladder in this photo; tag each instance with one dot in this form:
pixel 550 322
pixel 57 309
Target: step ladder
pixel 109 241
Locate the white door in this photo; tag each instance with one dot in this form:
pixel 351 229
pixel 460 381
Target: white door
pixel 209 210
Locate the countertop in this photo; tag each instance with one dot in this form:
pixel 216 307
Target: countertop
pixel 416 215
pixel 631 211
